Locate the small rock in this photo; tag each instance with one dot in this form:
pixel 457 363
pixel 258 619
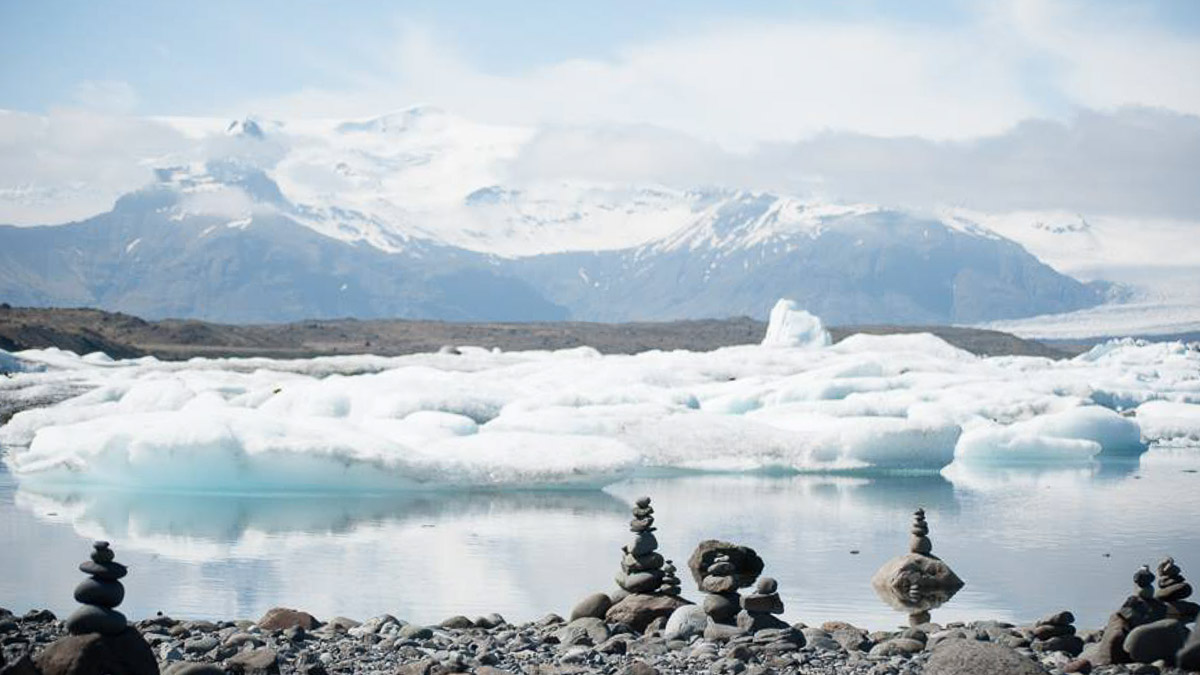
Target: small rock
pixel 282 618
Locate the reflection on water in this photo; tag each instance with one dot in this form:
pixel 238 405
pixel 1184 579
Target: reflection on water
pixel 1027 541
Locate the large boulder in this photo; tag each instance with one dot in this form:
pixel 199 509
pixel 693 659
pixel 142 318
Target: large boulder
pixel 746 563
pixel 640 610
pixel 125 653
pixel 282 618
pixel 969 657
pixel 595 606
pixel 1156 640
pixel 915 582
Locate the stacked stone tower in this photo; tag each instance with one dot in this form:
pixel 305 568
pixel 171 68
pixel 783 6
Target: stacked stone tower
pixel 99 594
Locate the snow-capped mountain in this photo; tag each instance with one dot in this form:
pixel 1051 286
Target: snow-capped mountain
pixel 422 213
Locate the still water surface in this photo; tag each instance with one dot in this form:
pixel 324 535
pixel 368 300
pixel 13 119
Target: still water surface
pixel 1027 541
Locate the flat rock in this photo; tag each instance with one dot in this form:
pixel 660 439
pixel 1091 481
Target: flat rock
pixel 595 606
pixel 110 570
pixel 638 610
pixel 970 657
pixel 102 592
pixel 262 661
pixel 282 618
pixel 588 631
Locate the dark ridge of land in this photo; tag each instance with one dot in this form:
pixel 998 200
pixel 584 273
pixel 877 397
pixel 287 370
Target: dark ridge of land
pixel 123 336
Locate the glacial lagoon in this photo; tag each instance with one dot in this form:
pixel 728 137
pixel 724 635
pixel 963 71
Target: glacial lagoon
pixel 1028 540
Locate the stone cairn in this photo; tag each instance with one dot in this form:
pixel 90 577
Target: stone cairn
pixel 670 582
pixel 761 608
pixel 919 543
pixel 642 566
pixel 1174 590
pixel 1124 636
pixel 99 594
pixel 1056 633
pixel 721 600
pixel 918 581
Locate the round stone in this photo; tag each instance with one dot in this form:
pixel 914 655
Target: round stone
pixel 102 554
pixel 1143 577
pixel 643 502
pixel 722 607
pixel 92 619
pixel 642 513
pixel 110 570
pixel 100 592
pixel 643 543
pixel 641 563
pixel 715 584
pixel 919 530
pixel 1173 592
pixel 642 525
pixel 766 586
pixel 920 545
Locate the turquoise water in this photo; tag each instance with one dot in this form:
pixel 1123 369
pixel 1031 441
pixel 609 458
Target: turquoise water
pixel 1027 541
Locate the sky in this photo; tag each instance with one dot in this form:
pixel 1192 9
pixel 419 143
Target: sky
pixel 1000 105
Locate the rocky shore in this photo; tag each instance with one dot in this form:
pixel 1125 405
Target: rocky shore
pixel 290 641
pixel 642 627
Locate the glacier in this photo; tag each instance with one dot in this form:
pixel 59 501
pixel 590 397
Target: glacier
pixel 576 418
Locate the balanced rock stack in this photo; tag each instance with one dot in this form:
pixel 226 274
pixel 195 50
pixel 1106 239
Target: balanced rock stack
pixel 720 569
pixel 1174 590
pixel 919 543
pixel 100 640
pixel 670 582
pixel 1139 610
pixel 99 594
pixel 919 581
pixel 641 566
pixel 1056 633
pixel 648 589
pixel 759 609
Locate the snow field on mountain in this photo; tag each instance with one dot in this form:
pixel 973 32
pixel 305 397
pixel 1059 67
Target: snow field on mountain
pixel 576 418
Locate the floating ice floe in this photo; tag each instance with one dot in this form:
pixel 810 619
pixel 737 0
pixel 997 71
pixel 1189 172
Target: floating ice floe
pixel 576 418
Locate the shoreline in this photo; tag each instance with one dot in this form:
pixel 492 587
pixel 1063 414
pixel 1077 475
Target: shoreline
pixel 292 641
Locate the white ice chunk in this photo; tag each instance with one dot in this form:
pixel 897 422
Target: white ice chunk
pixel 1168 420
pixel 791 326
pixel 1078 434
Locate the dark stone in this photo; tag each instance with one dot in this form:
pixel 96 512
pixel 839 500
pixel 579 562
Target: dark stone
pixel 970 657
pixel 1188 658
pixel 752 622
pixel 110 570
pixel 39 616
pixel 1068 644
pixel 101 592
pixel 1063 618
pixel 24 665
pixel 1156 640
pixel 638 610
pixel 920 545
pixel 282 618
pixel 766 586
pixel 747 564
pixel 595 605
pixel 93 654
pixel 1183 610
pixel 763 604
pixel 1046 631
pixel 261 661
pixel 92 619
pixel 643 543
pixel 643 502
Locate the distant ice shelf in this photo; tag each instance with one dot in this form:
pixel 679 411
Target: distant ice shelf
pixel 577 419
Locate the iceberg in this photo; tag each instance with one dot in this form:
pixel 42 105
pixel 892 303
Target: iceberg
pixel 578 419
pixel 790 326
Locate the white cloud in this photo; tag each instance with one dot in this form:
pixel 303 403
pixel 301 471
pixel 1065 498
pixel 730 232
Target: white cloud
pixel 737 83
pixel 106 96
